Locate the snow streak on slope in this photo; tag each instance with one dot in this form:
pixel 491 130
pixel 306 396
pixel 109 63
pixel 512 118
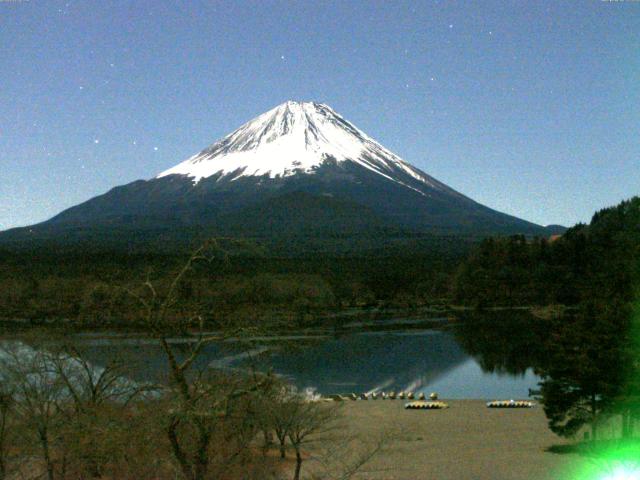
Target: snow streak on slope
pixel 295 137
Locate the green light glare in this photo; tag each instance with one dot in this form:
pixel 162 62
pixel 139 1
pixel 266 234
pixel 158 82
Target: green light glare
pixel 624 472
pixel 615 459
pixel 619 461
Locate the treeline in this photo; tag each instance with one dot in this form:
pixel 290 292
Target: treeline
pixel 588 358
pixel 598 260
pixel 93 288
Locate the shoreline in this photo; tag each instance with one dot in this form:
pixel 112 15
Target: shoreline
pixel 340 320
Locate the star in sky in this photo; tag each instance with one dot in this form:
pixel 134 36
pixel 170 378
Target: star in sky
pixel 420 44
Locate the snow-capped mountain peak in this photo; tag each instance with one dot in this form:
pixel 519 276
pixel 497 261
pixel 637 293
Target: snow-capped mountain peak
pixel 294 137
pixel 298 176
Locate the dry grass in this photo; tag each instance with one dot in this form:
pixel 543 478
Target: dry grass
pixel 466 441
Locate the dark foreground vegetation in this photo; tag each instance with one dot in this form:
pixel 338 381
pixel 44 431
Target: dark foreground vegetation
pixel 589 354
pixel 63 418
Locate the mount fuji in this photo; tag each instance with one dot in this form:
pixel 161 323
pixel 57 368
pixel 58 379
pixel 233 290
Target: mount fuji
pixel 298 170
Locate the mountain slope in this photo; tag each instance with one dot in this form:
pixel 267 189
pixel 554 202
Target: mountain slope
pixel 300 169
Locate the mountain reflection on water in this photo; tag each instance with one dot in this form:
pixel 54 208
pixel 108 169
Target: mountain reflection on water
pixel 363 362
pixel 508 342
pixel 481 357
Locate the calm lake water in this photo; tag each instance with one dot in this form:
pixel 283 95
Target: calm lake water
pixel 393 358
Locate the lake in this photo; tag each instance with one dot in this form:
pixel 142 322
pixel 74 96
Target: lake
pixel 392 356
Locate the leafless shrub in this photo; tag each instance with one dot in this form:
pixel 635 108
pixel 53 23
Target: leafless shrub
pixel 347 456
pixel 6 407
pixel 36 394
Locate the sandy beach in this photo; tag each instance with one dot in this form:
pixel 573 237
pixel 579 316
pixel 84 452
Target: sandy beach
pixel 464 442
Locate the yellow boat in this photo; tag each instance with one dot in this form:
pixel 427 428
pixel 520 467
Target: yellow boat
pixel 422 405
pixel 510 404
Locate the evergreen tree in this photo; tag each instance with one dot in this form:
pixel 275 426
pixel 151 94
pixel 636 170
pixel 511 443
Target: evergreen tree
pixel 584 372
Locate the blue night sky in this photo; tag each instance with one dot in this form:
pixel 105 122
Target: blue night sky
pixel 532 108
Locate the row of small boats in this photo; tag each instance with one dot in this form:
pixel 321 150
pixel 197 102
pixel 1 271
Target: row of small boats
pixel 421 402
pixel 385 396
pixel 510 404
pixel 424 405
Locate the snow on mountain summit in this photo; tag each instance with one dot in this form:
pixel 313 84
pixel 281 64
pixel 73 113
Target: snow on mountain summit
pixel 298 178
pixel 294 137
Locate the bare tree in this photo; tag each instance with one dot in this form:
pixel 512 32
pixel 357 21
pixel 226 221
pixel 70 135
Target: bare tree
pixel 275 414
pixel 307 421
pixel 37 391
pixel 345 457
pixel 6 405
pixel 189 409
pixel 198 407
pixel 91 393
pixel 90 386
